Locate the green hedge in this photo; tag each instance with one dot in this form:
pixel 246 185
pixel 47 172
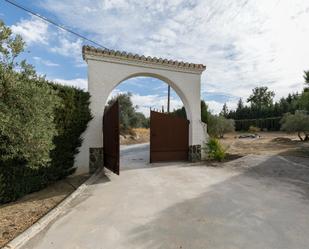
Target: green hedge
pixel 18 179
pixel 40 123
pixel 23 172
pixel 271 124
pixel 71 119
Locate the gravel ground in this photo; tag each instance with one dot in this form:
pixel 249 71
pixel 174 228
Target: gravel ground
pixel 269 143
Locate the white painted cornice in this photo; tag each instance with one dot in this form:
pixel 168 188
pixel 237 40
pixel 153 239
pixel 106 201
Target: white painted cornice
pixel 111 56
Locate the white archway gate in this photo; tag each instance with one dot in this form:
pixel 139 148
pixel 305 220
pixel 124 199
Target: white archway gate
pixel 108 68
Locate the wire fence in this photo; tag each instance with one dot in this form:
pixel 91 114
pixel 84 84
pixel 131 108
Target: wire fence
pixel 267 124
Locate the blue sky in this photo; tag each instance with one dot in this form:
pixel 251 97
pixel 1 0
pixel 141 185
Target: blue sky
pixel 244 43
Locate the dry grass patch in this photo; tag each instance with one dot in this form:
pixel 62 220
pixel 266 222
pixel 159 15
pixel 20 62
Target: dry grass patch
pixel 136 136
pixel 269 143
pixel 17 216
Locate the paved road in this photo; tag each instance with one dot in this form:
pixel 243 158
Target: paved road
pixel 255 202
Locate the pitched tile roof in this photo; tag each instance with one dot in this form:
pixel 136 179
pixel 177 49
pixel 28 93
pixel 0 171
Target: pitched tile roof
pixel 89 50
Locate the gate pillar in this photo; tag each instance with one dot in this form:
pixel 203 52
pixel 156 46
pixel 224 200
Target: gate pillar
pixel 108 68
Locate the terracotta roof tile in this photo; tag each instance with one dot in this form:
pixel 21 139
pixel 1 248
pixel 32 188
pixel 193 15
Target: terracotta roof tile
pixel 89 50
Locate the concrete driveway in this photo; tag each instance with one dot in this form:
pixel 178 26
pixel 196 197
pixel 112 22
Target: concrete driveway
pixel 253 202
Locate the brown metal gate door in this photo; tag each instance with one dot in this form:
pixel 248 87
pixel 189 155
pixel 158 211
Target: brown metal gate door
pixel 111 138
pixel 169 137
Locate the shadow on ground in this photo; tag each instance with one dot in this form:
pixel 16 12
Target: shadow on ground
pixel 264 206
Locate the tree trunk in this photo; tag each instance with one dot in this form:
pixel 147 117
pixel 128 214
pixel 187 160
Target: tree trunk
pixel 301 139
pixel 306 136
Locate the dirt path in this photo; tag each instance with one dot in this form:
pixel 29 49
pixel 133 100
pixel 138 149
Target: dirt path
pixel 269 143
pixel 17 216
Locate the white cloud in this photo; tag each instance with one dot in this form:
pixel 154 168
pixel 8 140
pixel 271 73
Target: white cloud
pixel 215 107
pixel 153 101
pixel 36 31
pixel 45 62
pixel 32 30
pixel 244 43
pixel 69 47
pixel 78 82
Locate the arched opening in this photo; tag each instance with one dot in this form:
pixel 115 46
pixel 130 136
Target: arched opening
pixel 160 79
pixel 108 68
pixel 139 96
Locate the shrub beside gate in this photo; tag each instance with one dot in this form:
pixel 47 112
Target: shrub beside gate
pixel 18 174
pixel 40 123
pixel 71 119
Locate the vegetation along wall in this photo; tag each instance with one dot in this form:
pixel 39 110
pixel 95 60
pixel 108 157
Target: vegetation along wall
pixel 40 124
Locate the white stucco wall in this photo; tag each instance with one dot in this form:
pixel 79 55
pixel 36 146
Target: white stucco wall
pixel 105 74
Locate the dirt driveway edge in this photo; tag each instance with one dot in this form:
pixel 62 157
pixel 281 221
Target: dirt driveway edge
pixel 43 222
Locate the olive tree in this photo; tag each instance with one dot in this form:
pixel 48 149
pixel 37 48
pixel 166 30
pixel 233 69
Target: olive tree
pixel 129 117
pixel 298 122
pixel 219 125
pixel 26 106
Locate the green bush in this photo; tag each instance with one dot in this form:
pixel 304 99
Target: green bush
pixel 215 149
pixel 27 130
pixel 57 125
pixel 254 129
pixel 18 179
pixel 71 119
pixel 205 113
pixel 219 125
pixel 298 122
pixel 40 124
pixel 128 117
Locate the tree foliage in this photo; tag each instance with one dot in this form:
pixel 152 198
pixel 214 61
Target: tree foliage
pixel 71 119
pixel 10 47
pixel 298 122
pixel 261 97
pixel 291 103
pixel 180 112
pixel 224 112
pixel 215 149
pixel 306 77
pixel 142 121
pixel 129 117
pixel 240 104
pixel 205 114
pixel 263 111
pixel 27 107
pixel 219 125
pixel 303 101
pixel 40 124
